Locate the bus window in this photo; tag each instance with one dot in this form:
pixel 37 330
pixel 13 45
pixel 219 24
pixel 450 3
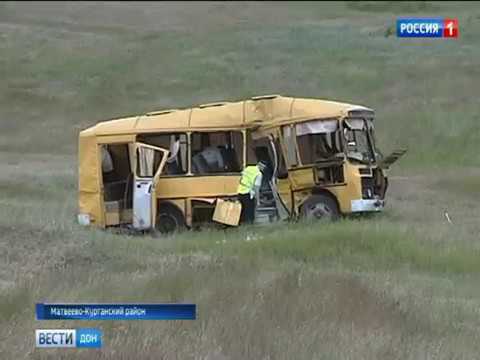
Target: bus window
pixel 217 152
pixel 177 144
pixel 260 150
pixel 318 140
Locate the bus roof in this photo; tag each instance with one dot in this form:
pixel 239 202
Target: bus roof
pixel 265 110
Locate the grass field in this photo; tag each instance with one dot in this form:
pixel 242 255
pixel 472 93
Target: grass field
pixel 400 285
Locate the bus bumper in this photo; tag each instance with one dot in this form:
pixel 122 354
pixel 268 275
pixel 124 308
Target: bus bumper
pixel 362 205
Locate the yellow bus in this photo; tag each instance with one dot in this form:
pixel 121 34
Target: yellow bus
pixel 166 169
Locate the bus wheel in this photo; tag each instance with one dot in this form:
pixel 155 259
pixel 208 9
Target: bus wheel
pixel 169 219
pixel 320 207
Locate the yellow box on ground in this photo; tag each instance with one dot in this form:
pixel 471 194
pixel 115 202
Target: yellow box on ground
pixel 227 212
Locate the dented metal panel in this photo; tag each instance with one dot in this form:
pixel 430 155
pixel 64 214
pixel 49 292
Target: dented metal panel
pixel 269 109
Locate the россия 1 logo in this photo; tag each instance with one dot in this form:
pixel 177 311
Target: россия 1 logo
pixel 427 28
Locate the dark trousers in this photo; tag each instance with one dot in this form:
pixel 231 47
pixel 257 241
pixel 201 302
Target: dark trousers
pixel 248 209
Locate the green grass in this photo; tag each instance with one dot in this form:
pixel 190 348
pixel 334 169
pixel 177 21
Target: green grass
pixel 285 281
pixel 357 245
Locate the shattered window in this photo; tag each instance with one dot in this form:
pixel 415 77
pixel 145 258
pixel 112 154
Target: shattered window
pixel 217 152
pixel 357 140
pixel 176 143
pixel 318 140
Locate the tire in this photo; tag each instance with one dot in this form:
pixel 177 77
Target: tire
pixel 169 219
pixel 320 207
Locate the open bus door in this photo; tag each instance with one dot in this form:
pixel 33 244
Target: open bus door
pixel 282 208
pixel 148 163
pixel 386 162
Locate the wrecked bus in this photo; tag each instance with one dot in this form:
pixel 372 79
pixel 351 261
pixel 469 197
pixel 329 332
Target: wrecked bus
pixel 165 170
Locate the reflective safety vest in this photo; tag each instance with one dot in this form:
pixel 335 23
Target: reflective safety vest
pixel 247 182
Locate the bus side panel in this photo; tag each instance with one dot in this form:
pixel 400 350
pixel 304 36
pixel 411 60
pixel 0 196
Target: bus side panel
pixel 90 199
pixel 302 179
pixel 283 187
pixel 351 191
pixel 91 204
pixel 197 186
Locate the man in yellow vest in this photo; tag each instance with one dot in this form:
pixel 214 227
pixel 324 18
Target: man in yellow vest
pixel 248 190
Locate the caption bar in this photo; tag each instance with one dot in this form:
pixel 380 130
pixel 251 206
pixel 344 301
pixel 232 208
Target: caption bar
pixel 68 338
pixel 427 28
pixel 115 311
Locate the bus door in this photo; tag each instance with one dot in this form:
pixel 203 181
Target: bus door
pixel 148 165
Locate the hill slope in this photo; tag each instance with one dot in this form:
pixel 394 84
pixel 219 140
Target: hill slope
pixel 67 66
pixel 401 285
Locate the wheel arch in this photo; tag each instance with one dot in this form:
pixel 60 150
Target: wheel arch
pixel 323 191
pixel 171 204
pixel 319 191
pixel 167 205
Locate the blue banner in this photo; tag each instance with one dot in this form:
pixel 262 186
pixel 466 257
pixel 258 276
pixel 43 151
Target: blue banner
pixel 420 27
pixel 88 338
pixel 68 338
pixel 115 311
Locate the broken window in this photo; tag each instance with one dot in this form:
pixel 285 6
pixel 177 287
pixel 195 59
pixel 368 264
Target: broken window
pixel 357 140
pixel 177 144
pixel 116 175
pixel 318 140
pixel 261 150
pixel 258 150
pixel 217 152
